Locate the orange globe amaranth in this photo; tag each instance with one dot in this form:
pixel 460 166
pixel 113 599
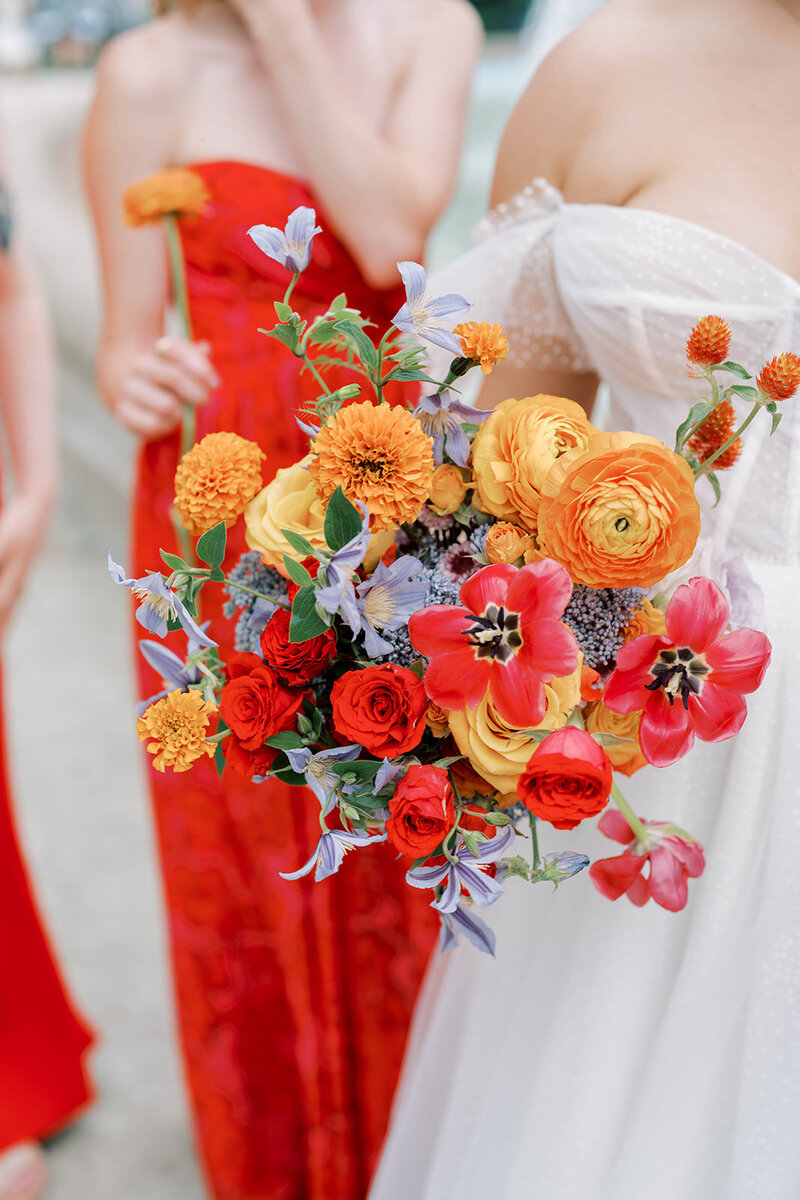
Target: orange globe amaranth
pixel 176 729
pixel 216 480
pixel 709 342
pixel 621 513
pixel 514 449
pixel 714 433
pixel 173 192
pixel 483 343
pixel 376 454
pixel 780 378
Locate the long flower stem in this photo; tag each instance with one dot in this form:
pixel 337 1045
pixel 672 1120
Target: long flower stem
pixel 630 816
pixel 292 284
pixel 184 541
pixel 240 587
pixel 706 466
pixel 535 842
pixel 181 295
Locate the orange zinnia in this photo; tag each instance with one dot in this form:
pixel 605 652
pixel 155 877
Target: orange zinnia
pixel 378 455
pixel 173 192
pixel 621 513
pixel 482 343
pixel 177 728
pixel 216 480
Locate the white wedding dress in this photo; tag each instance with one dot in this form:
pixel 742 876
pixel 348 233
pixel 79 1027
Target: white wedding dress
pixel 610 1052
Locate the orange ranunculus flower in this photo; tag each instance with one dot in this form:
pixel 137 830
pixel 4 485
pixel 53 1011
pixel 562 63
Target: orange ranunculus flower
pixel 215 481
pixel 506 543
pixel 449 488
pixel 482 342
pixel 379 455
pixel 176 728
pixel 174 192
pixel 627 758
pixel 515 448
pixel 621 513
pixel 646 620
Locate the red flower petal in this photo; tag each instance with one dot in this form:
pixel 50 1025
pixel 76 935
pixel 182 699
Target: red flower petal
pixel 518 693
pixel 740 660
pixel 614 876
pixel 626 690
pixel 668 880
pixel 439 629
pixel 698 614
pixel 717 713
pixel 639 891
pixel 549 648
pixel 540 590
pixel 691 854
pixel 612 824
pixel 666 732
pixel 453 680
pixel 488 586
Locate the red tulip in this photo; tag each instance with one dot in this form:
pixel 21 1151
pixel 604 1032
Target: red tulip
pixel 674 860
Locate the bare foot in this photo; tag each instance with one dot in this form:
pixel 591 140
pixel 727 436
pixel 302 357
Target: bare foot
pixel 23 1172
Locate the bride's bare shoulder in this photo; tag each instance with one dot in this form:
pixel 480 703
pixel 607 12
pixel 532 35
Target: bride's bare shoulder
pixel 148 65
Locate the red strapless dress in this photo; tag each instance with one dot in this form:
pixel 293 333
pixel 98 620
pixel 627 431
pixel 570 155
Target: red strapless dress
pixel 294 998
pixel 42 1041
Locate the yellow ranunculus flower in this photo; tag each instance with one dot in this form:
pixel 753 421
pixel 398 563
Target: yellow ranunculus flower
pixel 626 758
pixel 515 448
pixel 497 751
pixel 448 489
pixel 290 501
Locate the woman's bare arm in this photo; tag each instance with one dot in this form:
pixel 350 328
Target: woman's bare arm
pixel 382 190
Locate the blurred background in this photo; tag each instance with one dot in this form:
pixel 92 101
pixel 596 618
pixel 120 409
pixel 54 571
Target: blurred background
pixel 79 792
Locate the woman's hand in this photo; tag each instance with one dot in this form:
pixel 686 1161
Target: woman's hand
pixel 158 383
pixel 23 522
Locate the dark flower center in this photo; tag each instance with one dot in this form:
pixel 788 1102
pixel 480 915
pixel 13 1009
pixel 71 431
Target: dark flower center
pixel 496 634
pixel 680 673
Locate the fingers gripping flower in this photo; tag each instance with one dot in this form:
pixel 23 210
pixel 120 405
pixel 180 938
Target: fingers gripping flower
pixel 568 778
pixel 674 859
pixel 507 636
pixel 429 318
pixel 691 680
pixel 291 247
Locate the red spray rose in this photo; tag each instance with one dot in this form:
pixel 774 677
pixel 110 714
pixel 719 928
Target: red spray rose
pixel 422 809
pixel 255 705
pixel 568 778
pixel 382 708
pixel 295 662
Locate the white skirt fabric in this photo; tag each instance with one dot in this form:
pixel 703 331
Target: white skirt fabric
pixel 616 1053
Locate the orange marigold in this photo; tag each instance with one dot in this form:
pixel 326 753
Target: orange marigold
pixel 709 342
pixel 780 378
pixel 216 480
pixel 379 455
pixel 177 727
pixel 482 342
pixel 173 192
pixel 713 433
pixel 621 513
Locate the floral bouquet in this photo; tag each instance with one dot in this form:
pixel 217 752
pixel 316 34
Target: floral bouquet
pixel 453 625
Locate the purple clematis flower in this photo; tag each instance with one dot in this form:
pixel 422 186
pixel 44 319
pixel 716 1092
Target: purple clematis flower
pixel 462 920
pixel 322 781
pixel 564 865
pixel 175 673
pixel 423 315
pixel 465 872
pixel 330 851
pixel 388 598
pixel 291 247
pixel 441 416
pixel 387 773
pixel 339 596
pixel 159 604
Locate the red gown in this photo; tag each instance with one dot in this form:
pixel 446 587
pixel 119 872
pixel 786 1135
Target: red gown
pixel 294 998
pixel 42 1041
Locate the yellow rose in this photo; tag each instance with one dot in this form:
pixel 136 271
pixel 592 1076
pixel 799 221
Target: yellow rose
pixel 506 543
pixel 438 720
pixel 515 448
pixel 448 489
pixel 497 751
pixel 290 501
pixel 626 758
pixel 646 620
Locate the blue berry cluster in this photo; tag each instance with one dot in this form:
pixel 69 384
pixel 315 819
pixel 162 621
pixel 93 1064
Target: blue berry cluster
pixel 597 617
pixel 254 612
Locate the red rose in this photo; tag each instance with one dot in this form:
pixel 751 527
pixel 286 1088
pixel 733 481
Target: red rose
pixel 295 662
pixel 422 811
pixel 381 708
pixel 247 762
pixel 254 703
pixel 568 778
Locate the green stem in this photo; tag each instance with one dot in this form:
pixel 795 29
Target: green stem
pixel 292 284
pixel 706 466
pixel 251 592
pixel 184 541
pixel 630 816
pixel 535 841
pixel 316 375
pixel 181 296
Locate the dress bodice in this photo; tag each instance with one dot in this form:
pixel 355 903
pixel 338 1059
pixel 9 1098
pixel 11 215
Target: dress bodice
pixel 617 290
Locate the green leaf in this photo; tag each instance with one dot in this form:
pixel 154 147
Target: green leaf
pixel 736 369
pixel 409 375
pixel 288 740
pixel 296 571
pixel 747 393
pixel 473 840
pixel 306 622
pixel 211 546
pixel 713 479
pixel 287 775
pixel 288 335
pixel 217 574
pixel 697 413
pixel 283 311
pixel 776 420
pixel 361 770
pixel 298 543
pixel 173 562
pixel 517 866
pixel 342 521
pixel 219 759
pixel 610 739
pixel 363 345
